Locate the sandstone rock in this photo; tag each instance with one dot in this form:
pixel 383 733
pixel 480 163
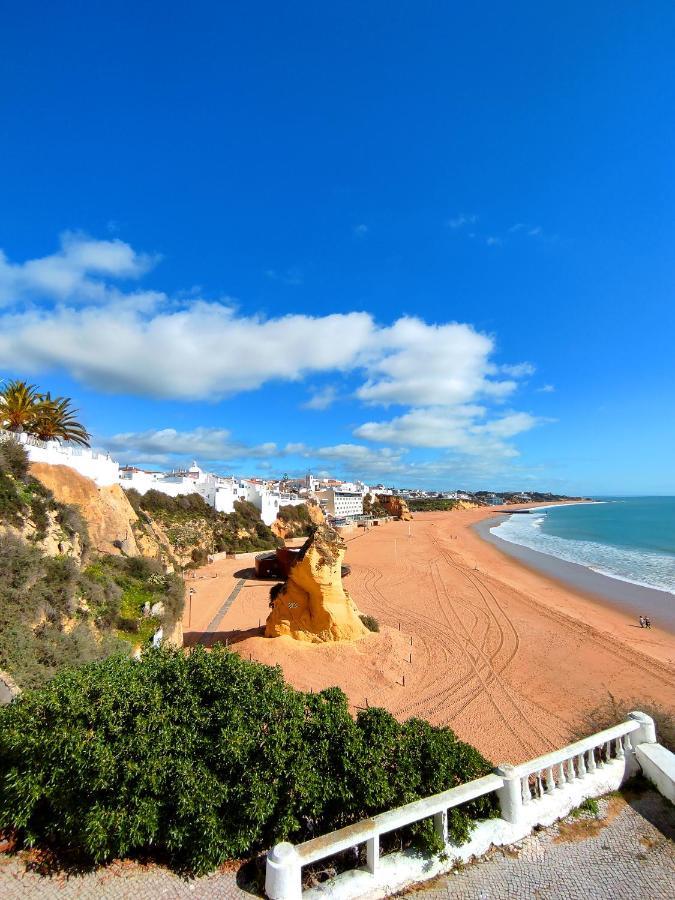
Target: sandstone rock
pixel 106 510
pixel 395 506
pixel 157 609
pixel 313 604
pixel 173 634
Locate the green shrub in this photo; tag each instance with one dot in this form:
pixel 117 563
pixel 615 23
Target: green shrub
pixel 207 756
pixel 589 805
pixel 370 622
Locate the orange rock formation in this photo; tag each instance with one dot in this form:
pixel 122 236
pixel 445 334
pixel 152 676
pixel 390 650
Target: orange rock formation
pixel 313 604
pixel 395 506
pixel 106 510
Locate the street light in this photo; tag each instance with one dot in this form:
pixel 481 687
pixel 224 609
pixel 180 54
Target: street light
pixel 190 593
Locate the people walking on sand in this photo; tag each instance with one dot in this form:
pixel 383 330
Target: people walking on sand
pixel 648 623
pixel 642 621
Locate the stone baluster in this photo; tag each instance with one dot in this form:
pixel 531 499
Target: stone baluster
pixel 628 744
pixel 561 776
pixel 570 770
pixel 581 765
pixel 539 788
pixel 550 780
pixel 527 796
pixel 618 746
pixel 608 751
pixel 591 761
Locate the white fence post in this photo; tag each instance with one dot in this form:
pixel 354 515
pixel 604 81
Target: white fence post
pixel 283 874
pixel 510 795
pixel 647 731
pixel 373 854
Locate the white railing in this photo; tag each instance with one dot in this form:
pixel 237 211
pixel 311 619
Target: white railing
pixel 536 792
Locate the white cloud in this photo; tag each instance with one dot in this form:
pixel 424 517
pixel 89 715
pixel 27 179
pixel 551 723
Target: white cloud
pixel 67 274
pixel 417 364
pixel 493 241
pixel 463 428
pixel 520 370
pixel 360 230
pixel 185 348
pixel 321 399
pixel 546 389
pixel 202 443
pixel 461 220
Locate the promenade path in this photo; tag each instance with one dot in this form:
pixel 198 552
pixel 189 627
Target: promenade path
pixel 625 854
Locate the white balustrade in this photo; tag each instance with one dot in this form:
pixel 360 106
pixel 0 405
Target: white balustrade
pixel 538 791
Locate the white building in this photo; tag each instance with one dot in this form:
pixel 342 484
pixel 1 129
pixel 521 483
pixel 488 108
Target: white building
pixel 97 466
pixel 220 493
pixel 340 503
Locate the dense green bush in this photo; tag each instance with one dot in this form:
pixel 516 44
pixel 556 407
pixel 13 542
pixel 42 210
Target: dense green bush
pixel 207 756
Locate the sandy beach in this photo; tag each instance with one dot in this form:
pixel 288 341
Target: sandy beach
pixel 470 637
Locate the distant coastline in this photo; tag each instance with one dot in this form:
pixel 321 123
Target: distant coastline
pixel 624 596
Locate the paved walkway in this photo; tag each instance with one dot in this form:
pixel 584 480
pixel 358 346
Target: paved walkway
pixel 625 854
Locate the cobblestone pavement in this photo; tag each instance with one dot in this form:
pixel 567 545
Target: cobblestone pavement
pixel 627 853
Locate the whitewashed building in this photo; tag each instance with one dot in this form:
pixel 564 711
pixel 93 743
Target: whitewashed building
pixel 100 467
pixel 219 492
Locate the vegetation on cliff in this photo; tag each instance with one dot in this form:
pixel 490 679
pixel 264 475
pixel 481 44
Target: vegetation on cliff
pixel 206 756
pixel 194 528
pixel 433 505
pixel 60 604
pixel 295 521
pixel 373 507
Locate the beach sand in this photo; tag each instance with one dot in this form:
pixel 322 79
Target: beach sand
pixel 510 659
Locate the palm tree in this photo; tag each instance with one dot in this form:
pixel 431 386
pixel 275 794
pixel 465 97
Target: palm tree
pixel 19 403
pixel 56 420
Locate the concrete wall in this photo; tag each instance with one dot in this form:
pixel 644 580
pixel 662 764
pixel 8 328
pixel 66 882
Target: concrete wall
pixel 97 466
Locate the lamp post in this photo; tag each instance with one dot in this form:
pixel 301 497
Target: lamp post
pixel 190 593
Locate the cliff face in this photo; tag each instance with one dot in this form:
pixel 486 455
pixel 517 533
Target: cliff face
pixel 106 510
pixel 313 604
pixel 395 506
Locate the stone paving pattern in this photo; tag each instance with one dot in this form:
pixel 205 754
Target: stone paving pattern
pixel 628 852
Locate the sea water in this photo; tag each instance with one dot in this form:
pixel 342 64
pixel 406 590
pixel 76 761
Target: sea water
pixel 630 538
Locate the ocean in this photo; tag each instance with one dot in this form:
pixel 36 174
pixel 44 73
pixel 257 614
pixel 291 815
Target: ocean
pixel 626 538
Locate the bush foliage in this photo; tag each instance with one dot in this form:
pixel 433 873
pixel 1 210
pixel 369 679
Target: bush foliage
pixel 206 757
pixel 185 516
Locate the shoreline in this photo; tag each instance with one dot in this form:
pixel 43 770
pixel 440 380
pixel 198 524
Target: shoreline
pixel 618 594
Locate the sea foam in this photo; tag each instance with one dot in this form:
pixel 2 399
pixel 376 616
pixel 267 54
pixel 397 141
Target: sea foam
pixel 641 567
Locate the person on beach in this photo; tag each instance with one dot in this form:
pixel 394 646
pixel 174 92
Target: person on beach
pixel 642 621
pixel 648 623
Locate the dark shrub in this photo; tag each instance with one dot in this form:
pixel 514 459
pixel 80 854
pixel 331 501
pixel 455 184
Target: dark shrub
pixel 207 756
pixel 370 622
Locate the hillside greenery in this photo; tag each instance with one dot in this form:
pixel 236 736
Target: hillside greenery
pixel 431 505
pixel 206 756
pixel 70 608
pixel 297 520
pixel 188 519
pixel 373 507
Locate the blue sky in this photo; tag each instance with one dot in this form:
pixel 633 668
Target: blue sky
pixel 418 242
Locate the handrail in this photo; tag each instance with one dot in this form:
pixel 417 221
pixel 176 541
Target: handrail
pixel 562 779
pixel 316 848
pixel 582 746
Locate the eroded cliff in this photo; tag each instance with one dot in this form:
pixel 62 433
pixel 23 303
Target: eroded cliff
pixel 313 605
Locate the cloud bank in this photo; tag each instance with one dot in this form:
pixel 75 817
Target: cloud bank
pixel 75 311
